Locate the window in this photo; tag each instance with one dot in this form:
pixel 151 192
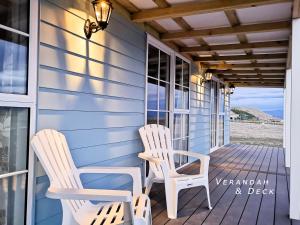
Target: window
pixel 221 114
pixel 13 158
pixel 168 87
pixel 18 72
pixel 214 114
pixel 181 111
pixel 158 87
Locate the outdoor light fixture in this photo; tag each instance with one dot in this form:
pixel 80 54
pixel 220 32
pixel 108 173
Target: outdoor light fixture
pixel 208 76
pixel 102 10
pixel 231 88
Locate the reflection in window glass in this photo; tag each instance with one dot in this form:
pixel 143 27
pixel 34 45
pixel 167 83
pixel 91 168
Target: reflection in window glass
pixel 158 87
pixel 15 14
pixel 13 62
pixel 178 75
pixel 13 200
pixel 178 97
pixel 177 126
pixel 163 96
pixel 153 61
pixel 164 66
pixel 186 74
pixel 152 94
pixel 13 139
pixel 151 117
pixel 164 119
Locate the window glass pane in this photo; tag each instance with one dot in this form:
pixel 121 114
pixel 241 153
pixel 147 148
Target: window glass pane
pixel 152 94
pixel 163 96
pixel 164 66
pixel 186 98
pixel 153 61
pixel 177 126
pixel 13 62
pixel 178 75
pixel 13 199
pixel 151 117
pixel 178 97
pixel 15 14
pixel 186 74
pixel 164 119
pixel 13 139
pixel 185 125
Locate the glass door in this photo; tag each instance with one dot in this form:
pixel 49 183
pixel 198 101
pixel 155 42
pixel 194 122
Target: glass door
pixel 221 115
pixel 214 115
pixel 18 40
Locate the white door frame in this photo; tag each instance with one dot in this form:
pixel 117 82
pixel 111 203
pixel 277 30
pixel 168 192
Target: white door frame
pixel 28 101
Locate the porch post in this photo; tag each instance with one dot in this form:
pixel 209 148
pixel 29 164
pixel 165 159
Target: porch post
pixel 295 123
pixel 287 117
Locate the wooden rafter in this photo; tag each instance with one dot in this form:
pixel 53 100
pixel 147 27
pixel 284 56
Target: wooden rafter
pixel 256 80
pixel 240 57
pixel 296 9
pixel 226 77
pixel 241 29
pixel 254 65
pixel 247 71
pixel 185 9
pixel 246 46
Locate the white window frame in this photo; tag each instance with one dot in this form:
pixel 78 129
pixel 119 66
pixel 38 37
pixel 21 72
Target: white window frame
pixel 27 101
pixel 218 114
pixel 161 46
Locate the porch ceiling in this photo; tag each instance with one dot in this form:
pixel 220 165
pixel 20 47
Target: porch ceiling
pixel 250 35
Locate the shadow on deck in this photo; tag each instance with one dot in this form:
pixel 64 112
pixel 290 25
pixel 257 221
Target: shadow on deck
pixel 237 163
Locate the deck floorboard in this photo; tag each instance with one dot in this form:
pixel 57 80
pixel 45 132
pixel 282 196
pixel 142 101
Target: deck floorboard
pixel 230 207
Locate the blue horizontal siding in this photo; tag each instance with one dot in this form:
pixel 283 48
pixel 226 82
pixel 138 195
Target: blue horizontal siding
pixel 92 91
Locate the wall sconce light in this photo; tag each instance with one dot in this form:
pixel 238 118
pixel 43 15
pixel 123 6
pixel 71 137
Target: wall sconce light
pixel 103 9
pixel 231 89
pixel 208 76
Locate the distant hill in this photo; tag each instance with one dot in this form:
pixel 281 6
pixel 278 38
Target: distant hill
pixel 251 114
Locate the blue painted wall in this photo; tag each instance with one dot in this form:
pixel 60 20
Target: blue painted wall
pixel 200 116
pixel 92 91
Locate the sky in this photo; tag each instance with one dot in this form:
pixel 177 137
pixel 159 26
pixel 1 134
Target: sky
pixel 265 99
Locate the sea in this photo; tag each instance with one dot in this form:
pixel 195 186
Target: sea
pixel 276 113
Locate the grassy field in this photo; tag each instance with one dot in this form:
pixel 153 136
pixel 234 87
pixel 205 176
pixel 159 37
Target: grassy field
pixel 256 134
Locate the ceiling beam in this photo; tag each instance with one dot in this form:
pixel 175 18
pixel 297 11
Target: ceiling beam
pixel 255 80
pixel 246 46
pixel 253 71
pixel 240 29
pixel 226 77
pixel 262 85
pixel 240 57
pixel 185 9
pixel 254 65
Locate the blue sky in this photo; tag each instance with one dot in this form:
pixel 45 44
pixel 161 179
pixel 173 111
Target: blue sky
pixel 265 99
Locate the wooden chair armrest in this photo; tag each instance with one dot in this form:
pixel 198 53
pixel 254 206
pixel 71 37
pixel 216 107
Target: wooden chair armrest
pixel 150 158
pixel 134 172
pixel 90 194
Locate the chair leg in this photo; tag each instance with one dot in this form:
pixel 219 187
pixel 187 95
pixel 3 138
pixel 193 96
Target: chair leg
pixel 208 196
pixel 149 182
pixel 172 201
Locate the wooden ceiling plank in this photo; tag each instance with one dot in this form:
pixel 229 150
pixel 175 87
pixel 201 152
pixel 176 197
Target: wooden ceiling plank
pixel 251 76
pixel 241 29
pixel 256 65
pixel 241 57
pixel 247 71
pixel 245 46
pixel 185 9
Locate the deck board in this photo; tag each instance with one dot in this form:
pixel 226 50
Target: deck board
pixel 235 162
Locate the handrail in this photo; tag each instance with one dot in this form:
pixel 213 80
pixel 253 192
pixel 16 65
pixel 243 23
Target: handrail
pixel 13 174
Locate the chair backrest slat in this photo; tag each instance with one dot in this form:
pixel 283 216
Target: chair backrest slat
pixel 53 152
pixel 158 143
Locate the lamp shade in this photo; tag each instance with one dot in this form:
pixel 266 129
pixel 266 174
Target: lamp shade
pixel 102 10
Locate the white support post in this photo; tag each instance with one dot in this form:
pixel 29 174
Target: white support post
pixel 287 117
pixel 295 123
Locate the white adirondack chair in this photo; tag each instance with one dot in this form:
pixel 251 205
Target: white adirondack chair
pixel 115 207
pixel 160 154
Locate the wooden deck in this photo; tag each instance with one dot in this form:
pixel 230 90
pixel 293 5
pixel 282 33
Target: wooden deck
pixel 234 162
